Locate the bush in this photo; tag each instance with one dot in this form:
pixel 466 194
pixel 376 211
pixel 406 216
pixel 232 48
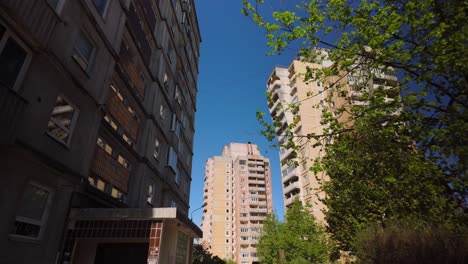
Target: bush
pixel 405 243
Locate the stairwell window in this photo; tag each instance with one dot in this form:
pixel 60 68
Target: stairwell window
pixel 14 59
pixel 33 211
pixel 62 120
pixel 84 51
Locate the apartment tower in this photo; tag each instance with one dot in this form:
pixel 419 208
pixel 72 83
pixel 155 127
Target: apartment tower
pixel 97 105
pixel 237 198
pixel 300 104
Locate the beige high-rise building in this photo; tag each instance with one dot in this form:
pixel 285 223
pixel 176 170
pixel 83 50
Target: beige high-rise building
pixel 300 104
pixel 237 194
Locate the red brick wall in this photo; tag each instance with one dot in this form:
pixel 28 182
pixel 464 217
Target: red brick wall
pixel 110 170
pixel 121 114
pixel 132 71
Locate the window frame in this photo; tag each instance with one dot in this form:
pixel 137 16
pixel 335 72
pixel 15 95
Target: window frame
pixel 157 149
pixel 45 214
pixel 150 197
pixel 73 122
pixel 27 61
pixel 79 58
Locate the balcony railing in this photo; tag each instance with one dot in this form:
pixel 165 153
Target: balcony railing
pixel 11 110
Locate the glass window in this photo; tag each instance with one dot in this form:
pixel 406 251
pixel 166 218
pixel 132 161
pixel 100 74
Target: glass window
pixel 149 199
pixel 172 159
pixel 62 120
pixel 32 211
pixel 84 51
pixel 123 161
pixel 162 112
pixel 12 60
pixel 100 6
pixel 157 149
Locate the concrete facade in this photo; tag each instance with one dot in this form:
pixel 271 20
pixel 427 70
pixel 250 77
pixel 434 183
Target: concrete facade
pixel 237 194
pixel 97 105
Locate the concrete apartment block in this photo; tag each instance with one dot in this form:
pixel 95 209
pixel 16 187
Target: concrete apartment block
pixel 290 93
pixel 237 194
pixel 97 106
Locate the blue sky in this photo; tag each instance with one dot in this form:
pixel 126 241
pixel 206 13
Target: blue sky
pixel 231 87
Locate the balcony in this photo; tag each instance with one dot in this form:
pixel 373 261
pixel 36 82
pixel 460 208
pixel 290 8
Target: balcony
pixel 11 110
pixel 275 104
pixel 285 153
pixel 288 201
pixel 259 210
pixel 288 173
pixel 291 187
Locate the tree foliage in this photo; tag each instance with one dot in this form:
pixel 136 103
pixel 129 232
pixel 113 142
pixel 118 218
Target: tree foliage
pixel 298 240
pixel 405 154
pixel 202 256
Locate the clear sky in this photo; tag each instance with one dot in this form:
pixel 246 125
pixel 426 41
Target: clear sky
pixel 231 87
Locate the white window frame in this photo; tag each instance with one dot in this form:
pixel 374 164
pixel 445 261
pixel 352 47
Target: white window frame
pixel 45 215
pixel 72 122
pixel 21 74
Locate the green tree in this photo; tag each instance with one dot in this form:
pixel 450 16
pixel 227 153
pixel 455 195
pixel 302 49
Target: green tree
pixel 202 256
pixel 406 153
pixel 298 240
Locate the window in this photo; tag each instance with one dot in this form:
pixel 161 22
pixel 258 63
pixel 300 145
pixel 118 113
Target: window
pixel 14 59
pixel 169 53
pixel 175 125
pixel 162 112
pixel 177 95
pixel 173 204
pixel 149 199
pixel 115 193
pixel 166 81
pixel 32 212
pixel 101 6
pixel 172 159
pixel 123 161
pixel 57 5
pixel 177 176
pixel 62 120
pixel 106 147
pixel 157 149
pixel 84 51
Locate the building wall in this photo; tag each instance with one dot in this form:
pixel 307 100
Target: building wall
pixel 144 54
pixel 237 193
